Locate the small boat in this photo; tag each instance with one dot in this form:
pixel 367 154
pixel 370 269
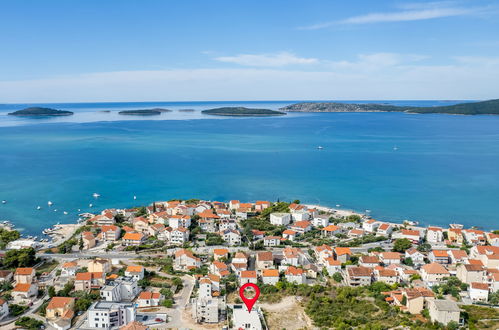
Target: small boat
pixel 134 197
pixel 338 205
pixel 65 212
pixel 79 210
pixel 368 211
pixel 55 210
pixel 395 148
pixel 90 205
pixel 49 203
pixel 4 202
pixel 96 195
pixel 320 147
pixel 38 207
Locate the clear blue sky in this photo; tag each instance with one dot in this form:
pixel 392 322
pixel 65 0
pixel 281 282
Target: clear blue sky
pixel 247 50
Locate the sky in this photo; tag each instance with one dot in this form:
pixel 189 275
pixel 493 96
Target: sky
pixel 186 50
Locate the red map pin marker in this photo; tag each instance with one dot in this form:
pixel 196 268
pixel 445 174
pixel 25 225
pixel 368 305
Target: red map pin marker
pixel 249 302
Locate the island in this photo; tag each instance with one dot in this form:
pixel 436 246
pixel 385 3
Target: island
pixel 186 110
pixel 39 111
pixel 144 112
pixel 490 107
pixel 242 112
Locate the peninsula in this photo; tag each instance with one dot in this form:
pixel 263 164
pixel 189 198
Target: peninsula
pixel 39 111
pixel 243 112
pixel 490 107
pixel 144 112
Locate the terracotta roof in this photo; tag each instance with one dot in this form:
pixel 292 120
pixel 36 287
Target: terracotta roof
pixel 220 252
pixel 369 259
pixel 24 271
pixel 59 302
pixel 387 272
pixel 248 274
pixel 109 228
pixel 333 262
pixel 475 262
pixel 459 254
pixel 289 232
pixel 270 273
pixel 134 326
pixel 390 255
pixel 342 250
pixel 384 226
pixel 133 236
pixel 265 256
pixel 359 271
pixel 331 228
pixel 479 286
pixel 294 271
pixel 134 269
pixel 410 232
pixel 182 252
pixel 70 264
pixel 214 278
pixel 474 268
pixel 301 224
pixel 149 295
pixel 22 287
pixel 435 268
pixel 208 214
pixel 440 253
pixel 87 276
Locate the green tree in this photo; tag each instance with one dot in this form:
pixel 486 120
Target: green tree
pixel 401 245
pixel 7 236
pixel 51 291
pixel 337 277
pixel 29 323
pixel 20 258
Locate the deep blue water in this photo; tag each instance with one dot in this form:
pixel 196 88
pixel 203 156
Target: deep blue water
pixel 444 170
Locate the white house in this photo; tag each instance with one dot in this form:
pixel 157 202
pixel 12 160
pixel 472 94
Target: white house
pixel 231 236
pixel 270 276
pixel 280 219
pixel 479 291
pixel 179 235
pixel 136 272
pixel 271 241
pixel 370 225
pixel 179 220
pixel 295 275
pixel 434 235
pixel 321 220
pixel 110 314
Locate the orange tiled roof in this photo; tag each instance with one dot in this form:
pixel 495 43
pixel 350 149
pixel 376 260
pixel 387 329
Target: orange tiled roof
pixel 59 302
pixel 24 271
pixel 22 287
pixel 133 236
pixel 134 269
pixel 270 273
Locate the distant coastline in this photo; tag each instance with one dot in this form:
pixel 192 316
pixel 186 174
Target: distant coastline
pixel 242 111
pixel 39 111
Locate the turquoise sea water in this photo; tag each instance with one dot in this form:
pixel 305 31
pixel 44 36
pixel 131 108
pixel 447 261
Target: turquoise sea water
pixel 445 168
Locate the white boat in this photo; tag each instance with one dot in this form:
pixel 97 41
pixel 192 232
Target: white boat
pixel 96 195
pixel 79 210
pixel 320 147
pixel 38 207
pixel 134 197
pixel 395 148
pixel 90 205
pixel 4 202
pixel 49 203
pixel 338 205
pixel 65 212
pixel 55 210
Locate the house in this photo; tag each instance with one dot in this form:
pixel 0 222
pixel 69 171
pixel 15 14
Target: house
pixel 389 258
pixel 411 300
pixel 99 265
pixel 342 253
pixel 492 239
pixel 264 260
pixel 89 280
pixel 488 255
pixel 257 234
pixel 179 235
pixel 416 256
pixel 240 258
pixel 68 269
pixel 301 226
pixel 6 276
pixel 110 233
pixel 4 309
pixel 292 256
pixel 179 220
pixel 433 273
pixel 134 326
pixel 219 268
pixel 370 225
pixel 261 205
pixel 219 254
pixel 136 272
pixel 60 312
pixel 475 237
pixel 148 299
pixel 289 234
pixel 369 261
pixel 234 204
pixel 247 276
pixel 458 256
pixel 231 237
pixel 443 311
pixel 434 235
pixel 439 256
pixel 411 235
pixel 295 275
pixel 332 265
pixel 110 314
pixel 384 229
pixel 471 273
pixel 388 276
pixel 270 276
pixel 330 231
pixel 479 291
pixel 24 275
pixel 271 241
pixel 141 225
pixel 280 219
pixel 225 224
pixel 24 292
pixel 133 239
pixel 300 215
pixel 356 276
pixel 321 220
pixel 120 289
pixel 455 235
pixel 88 240
pixel 355 233
pixel 185 260
pixel 103 219
pixel 322 253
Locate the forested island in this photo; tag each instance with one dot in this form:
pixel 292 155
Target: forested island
pixel 242 111
pixel 39 111
pixel 490 107
pixel 144 112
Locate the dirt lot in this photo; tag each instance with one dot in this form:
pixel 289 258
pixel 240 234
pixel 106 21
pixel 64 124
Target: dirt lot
pixel 287 314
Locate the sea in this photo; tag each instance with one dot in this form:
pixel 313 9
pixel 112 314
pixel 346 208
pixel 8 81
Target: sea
pixel 432 168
